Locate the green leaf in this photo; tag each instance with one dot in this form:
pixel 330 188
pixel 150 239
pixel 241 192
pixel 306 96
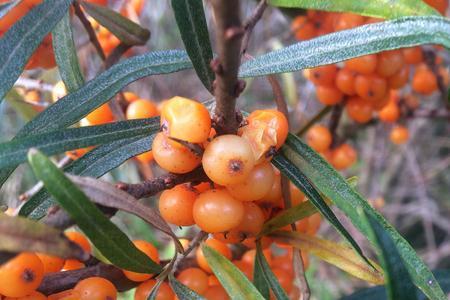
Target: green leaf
pixel 123 28
pixel 182 291
pixel 191 22
pixel 398 281
pixel 106 237
pixel 59 141
pixel 259 281
pixel 379 292
pixel 95 163
pixel 19 234
pixel 7 6
pixel 343 45
pixel 387 9
pixel 66 55
pixel 19 42
pixel 269 277
pixel 341 256
pixel 71 108
pixel 302 182
pixel 331 184
pixel 232 279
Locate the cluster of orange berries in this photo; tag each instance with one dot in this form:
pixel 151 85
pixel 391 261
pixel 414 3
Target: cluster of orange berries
pixel 368 86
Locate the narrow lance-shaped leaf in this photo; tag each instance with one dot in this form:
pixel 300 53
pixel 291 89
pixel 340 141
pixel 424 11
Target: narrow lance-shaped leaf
pixel 94 164
pixel 259 281
pixel 54 142
pixel 269 277
pixel 106 237
pixel 98 91
pixel 343 45
pixel 182 291
pixel 379 292
pixel 302 182
pixel 341 256
pixel 232 279
pixel 66 55
pixel 18 234
pixel 293 214
pixel 19 42
pixel 191 22
pixel 388 9
pixel 331 184
pixel 106 194
pixel 398 282
pixel 123 28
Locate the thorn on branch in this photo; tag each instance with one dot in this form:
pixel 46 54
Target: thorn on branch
pixel 216 66
pixel 234 33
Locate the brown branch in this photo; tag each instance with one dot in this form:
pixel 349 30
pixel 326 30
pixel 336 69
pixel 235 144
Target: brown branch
pixel 335 118
pixel 153 186
pixel 250 23
pixel 227 87
pixel 430 60
pixel 430 113
pixel 61 281
pixel 322 113
pixel 90 31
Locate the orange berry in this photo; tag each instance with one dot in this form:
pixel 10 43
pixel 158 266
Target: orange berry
pixel 249 257
pixel 195 279
pixel 143 291
pixel 324 75
pixel 424 82
pixel 145 157
pixel 65 295
pixel 251 223
pixel 219 246
pixel 216 292
pixel 130 96
pixel 217 211
pixel 98 2
pixel 21 275
pixel 390 62
pixel 33 296
pixel 303 29
pixel 343 156
pixel 273 197
pixel 390 113
pixel 328 95
pixel 319 138
pixel 176 205
pixel 365 65
pixel 399 79
pixel 413 55
pixel 51 263
pixel 345 81
pixel 257 184
pixel 273 121
pixel 149 250
pixel 284 279
pixel 173 156
pixel 186 120
pixel 212 280
pixel 228 159
pixel 245 268
pixel 348 21
pixel 371 88
pixel 141 109
pixel 96 288
pixel 359 110
pixel 100 115
pixel 297 196
pixel 83 242
pixel 399 135
pixel 440 5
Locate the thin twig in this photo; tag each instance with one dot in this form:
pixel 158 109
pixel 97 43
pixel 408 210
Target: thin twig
pixel 196 241
pixel 250 23
pixel 334 122
pixel 89 29
pixel 153 186
pixel 322 113
pixel 226 86
pixel 33 84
